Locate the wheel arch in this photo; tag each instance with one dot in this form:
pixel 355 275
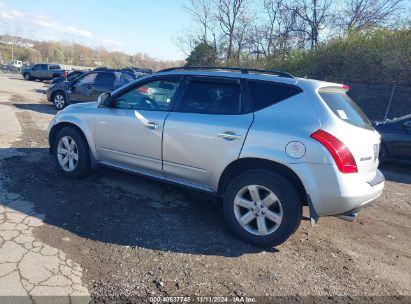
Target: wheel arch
pixel 56 91
pixel 244 164
pixel 59 126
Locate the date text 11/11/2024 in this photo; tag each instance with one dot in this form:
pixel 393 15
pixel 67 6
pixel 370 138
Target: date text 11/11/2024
pixel 203 299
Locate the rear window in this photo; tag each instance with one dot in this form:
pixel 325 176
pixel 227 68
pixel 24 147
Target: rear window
pixel 265 94
pixel 346 109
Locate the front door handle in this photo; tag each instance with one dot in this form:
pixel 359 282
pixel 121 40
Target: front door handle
pixel 152 125
pixel 229 135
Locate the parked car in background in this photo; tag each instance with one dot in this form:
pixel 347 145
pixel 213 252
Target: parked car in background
pixel 235 133
pixel 43 71
pixel 140 72
pixel 135 72
pixel 395 139
pixel 15 64
pixel 87 87
pixel 69 77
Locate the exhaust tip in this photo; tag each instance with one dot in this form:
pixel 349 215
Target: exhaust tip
pixel 348 217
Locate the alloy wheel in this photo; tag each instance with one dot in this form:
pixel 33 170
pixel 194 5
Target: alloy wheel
pixel 67 153
pixel 59 101
pixel 258 210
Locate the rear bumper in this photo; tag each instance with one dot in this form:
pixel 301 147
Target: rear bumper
pixel 334 193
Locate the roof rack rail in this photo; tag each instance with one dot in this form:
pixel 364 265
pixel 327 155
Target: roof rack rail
pixel 242 70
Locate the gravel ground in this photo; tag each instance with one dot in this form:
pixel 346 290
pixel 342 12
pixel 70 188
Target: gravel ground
pixel 137 237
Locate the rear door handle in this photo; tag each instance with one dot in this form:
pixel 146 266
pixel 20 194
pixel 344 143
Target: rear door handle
pixel 152 125
pixel 229 135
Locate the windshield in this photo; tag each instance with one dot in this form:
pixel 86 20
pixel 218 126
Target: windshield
pixel 346 109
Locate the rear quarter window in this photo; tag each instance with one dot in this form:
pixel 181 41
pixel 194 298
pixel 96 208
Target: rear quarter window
pixel 346 109
pixel 265 94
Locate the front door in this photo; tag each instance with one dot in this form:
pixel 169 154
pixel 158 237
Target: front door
pixel 129 134
pixel 206 131
pixel 36 71
pixel 104 83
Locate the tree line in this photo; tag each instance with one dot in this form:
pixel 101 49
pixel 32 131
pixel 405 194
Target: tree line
pixel 78 55
pixel 290 33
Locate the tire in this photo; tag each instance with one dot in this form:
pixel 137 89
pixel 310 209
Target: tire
pixel 59 100
pixel 27 76
pixel 287 209
pixel 73 168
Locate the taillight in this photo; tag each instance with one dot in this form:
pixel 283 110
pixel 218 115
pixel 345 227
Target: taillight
pixel 346 87
pixel 342 156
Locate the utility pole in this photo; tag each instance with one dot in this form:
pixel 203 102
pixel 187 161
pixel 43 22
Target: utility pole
pixel 12 51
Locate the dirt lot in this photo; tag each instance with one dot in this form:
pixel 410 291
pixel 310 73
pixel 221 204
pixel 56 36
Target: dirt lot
pixel 137 237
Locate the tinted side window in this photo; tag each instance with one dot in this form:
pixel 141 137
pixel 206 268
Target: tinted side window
pixel 87 79
pixel 105 79
pixel 265 94
pixel 54 67
pixel 209 97
pixel 123 79
pixel 36 67
pixel 155 96
pixel 43 67
pixel 73 75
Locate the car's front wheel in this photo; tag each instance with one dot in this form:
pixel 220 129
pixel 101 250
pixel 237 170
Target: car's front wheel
pixel 59 100
pixel 262 207
pixel 72 153
pixel 27 76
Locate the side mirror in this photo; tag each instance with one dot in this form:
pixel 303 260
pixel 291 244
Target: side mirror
pixel 104 100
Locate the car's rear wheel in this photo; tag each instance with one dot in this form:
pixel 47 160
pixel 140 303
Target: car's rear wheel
pixel 59 100
pixel 262 208
pixel 72 153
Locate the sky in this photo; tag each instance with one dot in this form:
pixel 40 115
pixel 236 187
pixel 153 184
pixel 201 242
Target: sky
pixel 132 26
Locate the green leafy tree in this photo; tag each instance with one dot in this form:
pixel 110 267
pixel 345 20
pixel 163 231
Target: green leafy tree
pixel 203 54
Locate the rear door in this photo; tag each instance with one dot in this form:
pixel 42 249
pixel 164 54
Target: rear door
pixel 205 131
pixel 104 83
pixel 81 90
pixel 44 71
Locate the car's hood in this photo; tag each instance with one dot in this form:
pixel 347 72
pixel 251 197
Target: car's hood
pixel 92 104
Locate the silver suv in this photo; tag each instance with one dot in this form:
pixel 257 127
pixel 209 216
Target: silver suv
pixel 266 142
